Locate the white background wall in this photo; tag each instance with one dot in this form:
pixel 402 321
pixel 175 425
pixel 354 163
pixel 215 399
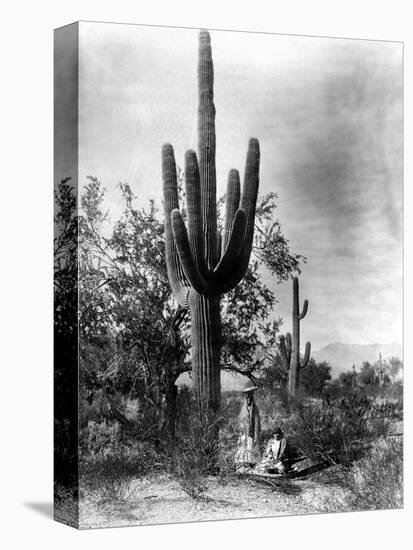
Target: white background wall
pixel 26 268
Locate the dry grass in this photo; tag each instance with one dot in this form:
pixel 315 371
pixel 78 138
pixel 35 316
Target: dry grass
pixel 376 481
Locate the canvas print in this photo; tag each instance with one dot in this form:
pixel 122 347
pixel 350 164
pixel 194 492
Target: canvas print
pixel 228 275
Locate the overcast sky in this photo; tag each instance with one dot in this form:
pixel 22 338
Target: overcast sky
pixel 328 115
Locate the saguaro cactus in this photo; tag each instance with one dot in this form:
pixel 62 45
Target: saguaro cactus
pixel 290 347
pixel 202 264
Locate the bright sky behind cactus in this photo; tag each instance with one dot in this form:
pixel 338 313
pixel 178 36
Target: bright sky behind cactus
pixel 328 116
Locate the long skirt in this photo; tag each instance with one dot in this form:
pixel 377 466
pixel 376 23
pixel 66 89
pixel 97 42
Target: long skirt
pixel 248 451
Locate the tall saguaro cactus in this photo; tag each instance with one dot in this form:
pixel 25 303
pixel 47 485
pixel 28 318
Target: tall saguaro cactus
pixel 202 264
pixel 290 347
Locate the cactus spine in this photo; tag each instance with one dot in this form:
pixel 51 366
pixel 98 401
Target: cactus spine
pixel 290 346
pixel 202 265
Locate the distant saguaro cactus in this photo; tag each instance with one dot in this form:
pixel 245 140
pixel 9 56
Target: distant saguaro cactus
pixel 201 263
pixel 290 347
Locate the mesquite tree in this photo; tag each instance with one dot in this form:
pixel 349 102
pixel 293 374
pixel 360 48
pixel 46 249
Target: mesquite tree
pixel 132 339
pixel 290 347
pixel 203 264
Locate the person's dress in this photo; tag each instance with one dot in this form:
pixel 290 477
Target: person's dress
pixel 249 426
pixel 276 456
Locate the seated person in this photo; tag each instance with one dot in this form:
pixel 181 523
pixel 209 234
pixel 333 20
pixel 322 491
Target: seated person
pixel 276 458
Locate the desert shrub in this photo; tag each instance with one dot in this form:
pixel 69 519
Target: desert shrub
pixel 375 482
pixel 196 452
pixel 187 466
pixel 92 406
pixel 394 392
pixel 100 439
pixel 111 478
pixel 336 434
pixel 195 456
pixel 336 389
pixel 111 458
pixel 101 405
pixel 391 410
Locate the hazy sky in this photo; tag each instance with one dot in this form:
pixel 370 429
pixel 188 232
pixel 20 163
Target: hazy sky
pixel 328 115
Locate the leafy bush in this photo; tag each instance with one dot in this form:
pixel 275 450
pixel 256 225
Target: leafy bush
pixel 375 482
pixel 339 433
pixel 111 458
pixel 377 479
pixel 101 439
pixel 314 377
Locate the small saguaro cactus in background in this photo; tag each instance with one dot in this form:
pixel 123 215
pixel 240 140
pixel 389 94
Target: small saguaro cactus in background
pixel 290 346
pixel 202 264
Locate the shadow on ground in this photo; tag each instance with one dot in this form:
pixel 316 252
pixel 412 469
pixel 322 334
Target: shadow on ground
pixel 43 508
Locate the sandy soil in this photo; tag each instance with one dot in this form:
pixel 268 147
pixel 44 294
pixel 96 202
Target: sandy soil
pixel 161 500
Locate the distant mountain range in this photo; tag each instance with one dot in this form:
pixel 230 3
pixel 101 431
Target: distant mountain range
pixel 341 357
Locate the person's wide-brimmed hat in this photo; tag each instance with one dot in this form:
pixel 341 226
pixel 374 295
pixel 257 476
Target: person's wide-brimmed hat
pixel 249 387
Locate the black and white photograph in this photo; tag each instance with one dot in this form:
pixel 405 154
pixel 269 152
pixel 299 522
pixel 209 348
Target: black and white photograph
pixel 228 275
